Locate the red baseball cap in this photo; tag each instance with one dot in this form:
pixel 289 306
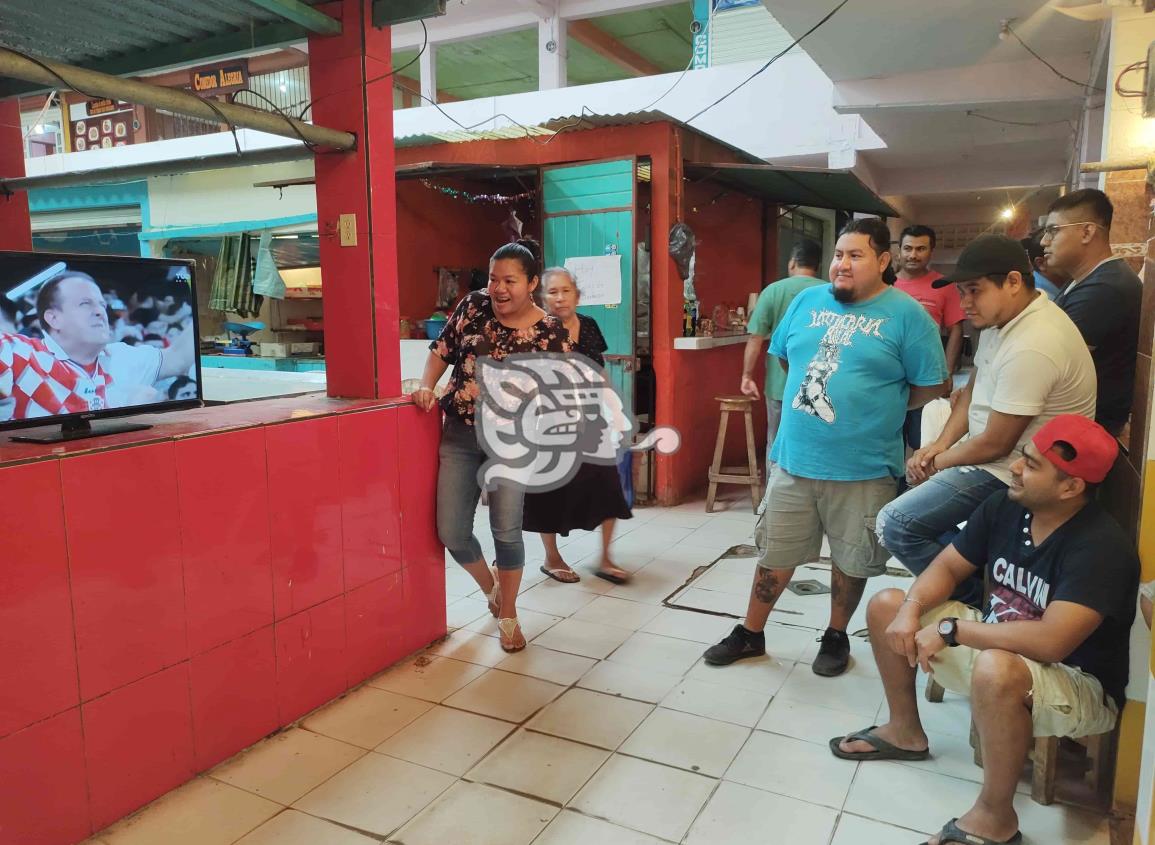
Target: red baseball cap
pixel 1095 449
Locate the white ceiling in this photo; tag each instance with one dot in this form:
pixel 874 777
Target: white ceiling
pixel 963 114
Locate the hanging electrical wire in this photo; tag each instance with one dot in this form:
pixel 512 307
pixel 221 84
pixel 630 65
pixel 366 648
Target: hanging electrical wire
pixel 1085 85
pixel 771 61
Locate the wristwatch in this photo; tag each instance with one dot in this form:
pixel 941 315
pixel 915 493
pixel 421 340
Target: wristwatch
pixel 948 630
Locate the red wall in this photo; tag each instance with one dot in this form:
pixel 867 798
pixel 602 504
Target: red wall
pixel 165 605
pixel 438 230
pixel 730 233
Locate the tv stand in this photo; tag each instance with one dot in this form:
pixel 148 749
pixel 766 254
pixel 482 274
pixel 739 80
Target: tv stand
pixel 79 430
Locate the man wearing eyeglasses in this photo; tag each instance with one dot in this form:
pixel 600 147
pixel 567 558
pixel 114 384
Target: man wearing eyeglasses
pixel 1104 299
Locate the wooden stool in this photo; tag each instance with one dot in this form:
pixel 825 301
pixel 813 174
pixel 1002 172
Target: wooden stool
pixel 1100 765
pixel 733 475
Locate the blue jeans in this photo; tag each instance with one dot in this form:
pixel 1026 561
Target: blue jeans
pixel 912 526
pixel 457 493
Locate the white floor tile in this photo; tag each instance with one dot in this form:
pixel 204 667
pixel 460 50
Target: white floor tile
pixel 701 628
pixel 553 598
pixel 286 766
pixel 592 718
pixel 809 722
pixel 202 812
pixel 377 794
pixel 627 681
pixel 715 701
pixel 460 612
pixel 451 741
pixel 585 638
pixel 428 677
pixel 1059 823
pixel 295 828
pixel 645 796
pixel 473 814
pixel 862 693
pixel 554 666
pixel 570 828
pixel 855 830
pixel 460 583
pixel 540 766
pixel 618 613
pixel 726 580
pixel 741 814
pixel 366 717
pixel 906 797
pixel 533 624
pixel 686 741
pixel 504 695
pixel 792 767
pixel 470 647
pixel 651 651
pixel 756 674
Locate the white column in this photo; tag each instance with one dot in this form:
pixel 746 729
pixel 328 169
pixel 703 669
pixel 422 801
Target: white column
pixel 551 52
pixel 429 74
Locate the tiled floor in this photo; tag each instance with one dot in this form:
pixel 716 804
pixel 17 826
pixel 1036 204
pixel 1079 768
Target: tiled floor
pixel 608 728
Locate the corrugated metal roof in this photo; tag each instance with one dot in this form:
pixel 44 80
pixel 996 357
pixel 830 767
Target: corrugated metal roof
pixel 85 32
pixel 837 189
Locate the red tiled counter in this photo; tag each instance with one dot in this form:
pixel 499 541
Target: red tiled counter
pixel 171 596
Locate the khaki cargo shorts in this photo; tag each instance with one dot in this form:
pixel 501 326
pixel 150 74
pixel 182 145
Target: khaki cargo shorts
pixel 796 512
pixel 1065 701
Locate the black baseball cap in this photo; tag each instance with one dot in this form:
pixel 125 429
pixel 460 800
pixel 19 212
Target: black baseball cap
pixel 987 255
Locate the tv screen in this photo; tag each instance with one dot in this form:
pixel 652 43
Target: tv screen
pixel 93 336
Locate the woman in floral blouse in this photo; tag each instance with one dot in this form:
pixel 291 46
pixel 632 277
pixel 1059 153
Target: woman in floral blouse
pixel 500 321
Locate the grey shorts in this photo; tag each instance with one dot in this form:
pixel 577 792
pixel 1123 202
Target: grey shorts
pixel 796 512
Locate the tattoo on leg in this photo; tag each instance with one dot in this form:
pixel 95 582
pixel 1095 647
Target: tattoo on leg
pixel 845 591
pixel 769 584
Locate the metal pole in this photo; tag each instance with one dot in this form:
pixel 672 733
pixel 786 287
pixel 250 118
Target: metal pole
pixel 54 74
pixel 132 172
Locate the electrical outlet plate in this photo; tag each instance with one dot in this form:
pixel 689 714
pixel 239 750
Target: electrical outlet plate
pixel 347 229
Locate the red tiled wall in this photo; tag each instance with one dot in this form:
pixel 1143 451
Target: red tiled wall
pixel 164 606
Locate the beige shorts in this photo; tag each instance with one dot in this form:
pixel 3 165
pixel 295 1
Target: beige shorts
pixel 1065 701
pixel 796 512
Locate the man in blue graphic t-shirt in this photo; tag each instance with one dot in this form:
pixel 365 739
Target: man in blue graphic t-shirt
pixel 858 355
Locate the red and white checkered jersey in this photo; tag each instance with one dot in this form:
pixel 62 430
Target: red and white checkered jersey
pixel 37 378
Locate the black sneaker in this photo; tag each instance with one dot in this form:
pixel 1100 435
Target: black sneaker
pixel 834 655
pixel 738 646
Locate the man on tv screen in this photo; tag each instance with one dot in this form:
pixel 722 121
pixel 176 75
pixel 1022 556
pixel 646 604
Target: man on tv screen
pixel 75 366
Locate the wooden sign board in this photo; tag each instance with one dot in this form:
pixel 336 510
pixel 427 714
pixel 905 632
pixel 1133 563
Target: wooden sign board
pixel 219 79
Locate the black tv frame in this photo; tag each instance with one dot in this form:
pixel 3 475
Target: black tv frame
pixel 80 425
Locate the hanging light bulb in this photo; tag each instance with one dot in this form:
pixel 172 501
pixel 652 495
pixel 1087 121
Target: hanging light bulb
pixel 1008 213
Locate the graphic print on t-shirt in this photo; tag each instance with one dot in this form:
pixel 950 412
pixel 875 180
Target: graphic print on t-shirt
pixel 1017 595
pixel 813 394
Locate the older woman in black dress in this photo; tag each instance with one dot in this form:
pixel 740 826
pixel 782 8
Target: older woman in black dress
pixel 594 497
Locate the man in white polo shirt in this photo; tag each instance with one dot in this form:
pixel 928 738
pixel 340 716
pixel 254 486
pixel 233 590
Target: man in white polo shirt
pixel 1031 366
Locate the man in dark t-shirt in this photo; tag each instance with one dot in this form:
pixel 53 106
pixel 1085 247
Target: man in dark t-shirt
pixel 1049 654
pixel 1104 298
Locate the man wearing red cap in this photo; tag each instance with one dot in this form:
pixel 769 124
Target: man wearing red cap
pixel 1063 578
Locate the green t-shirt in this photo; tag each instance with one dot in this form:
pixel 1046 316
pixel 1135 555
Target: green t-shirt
pixel 772 304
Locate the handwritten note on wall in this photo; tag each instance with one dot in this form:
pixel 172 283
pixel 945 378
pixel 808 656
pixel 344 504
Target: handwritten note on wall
pixel 599 277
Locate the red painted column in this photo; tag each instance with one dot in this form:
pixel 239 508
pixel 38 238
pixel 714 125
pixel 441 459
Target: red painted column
pixel 352 91
pixel 15 226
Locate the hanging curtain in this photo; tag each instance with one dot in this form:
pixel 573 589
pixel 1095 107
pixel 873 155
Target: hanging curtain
pixel 233 279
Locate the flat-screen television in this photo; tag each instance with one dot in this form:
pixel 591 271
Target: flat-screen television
pixel 84 337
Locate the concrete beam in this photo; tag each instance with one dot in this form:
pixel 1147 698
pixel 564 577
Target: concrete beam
pixel 476 20
pixel 428 65
pixel 413 87
pixel 941 180
pixel 958 89
pixel 552 49
pixel 605 45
